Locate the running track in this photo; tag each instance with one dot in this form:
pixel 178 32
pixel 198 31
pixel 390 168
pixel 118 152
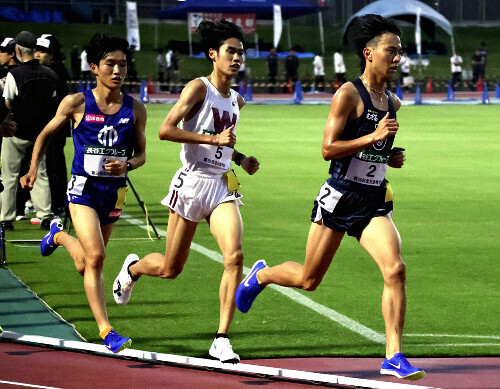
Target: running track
pixel 46 367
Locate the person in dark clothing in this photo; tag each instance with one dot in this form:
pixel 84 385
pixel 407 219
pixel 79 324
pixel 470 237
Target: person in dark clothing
pixel 272 67
pixel 75 63
pixel 48 52
pixel 132 76
pixel 477 66
pixel 30 92
pixel 292 67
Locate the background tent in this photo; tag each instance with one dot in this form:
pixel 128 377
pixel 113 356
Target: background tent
pixel 406 10
pixel 263 10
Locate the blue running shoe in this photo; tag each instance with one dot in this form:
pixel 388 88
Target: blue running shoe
pixel 399 366
pixel 249 288
pixel 48 245
pixel 115 342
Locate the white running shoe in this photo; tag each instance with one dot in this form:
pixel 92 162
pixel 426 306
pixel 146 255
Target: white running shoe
pixel 222 350
pixel 122 287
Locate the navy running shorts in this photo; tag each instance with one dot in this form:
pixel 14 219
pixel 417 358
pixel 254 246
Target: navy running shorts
pixel 105 196
pixel 351 212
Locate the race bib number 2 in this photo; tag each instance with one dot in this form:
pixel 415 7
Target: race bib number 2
pixel 368 168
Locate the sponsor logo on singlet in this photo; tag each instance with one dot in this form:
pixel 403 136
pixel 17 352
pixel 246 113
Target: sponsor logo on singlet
pixel 94 118
pixel 224 122
pixel 107 136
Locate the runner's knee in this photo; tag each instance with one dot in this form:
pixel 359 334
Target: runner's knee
pixel 233 260
pixel 95 260
pixel 395 273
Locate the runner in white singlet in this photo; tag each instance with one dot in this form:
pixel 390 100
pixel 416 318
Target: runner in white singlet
pixel 205 186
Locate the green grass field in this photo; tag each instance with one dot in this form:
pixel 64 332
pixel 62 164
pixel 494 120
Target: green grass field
pixel 446 209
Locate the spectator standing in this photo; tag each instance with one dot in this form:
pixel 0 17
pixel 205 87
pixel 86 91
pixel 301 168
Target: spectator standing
pixel 292 67
pixel 160 67
pixel 242 70
pixel 75 63
pixel 30 92
pixel 132 76
pixel 483 53
pixel 8 61
pixel 272 68
pixel 456 70
pixel 339 66
pixel 319 73
pixel 168 67
pixel 477 68
pixel 405 65
pixel 175 71
pixel 84 66
pixel 48 52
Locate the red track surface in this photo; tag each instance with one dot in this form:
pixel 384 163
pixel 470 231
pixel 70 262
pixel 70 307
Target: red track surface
pixel 62 369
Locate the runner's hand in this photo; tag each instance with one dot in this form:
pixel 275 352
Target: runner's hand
pixel 250 165
pixel 386 128
pixel 227 137
pixel 115 167
pixel 397 158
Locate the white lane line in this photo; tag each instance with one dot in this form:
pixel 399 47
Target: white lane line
pixel 27 385
pixel 494 337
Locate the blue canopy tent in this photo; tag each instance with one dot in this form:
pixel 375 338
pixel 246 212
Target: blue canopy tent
pixel 263 9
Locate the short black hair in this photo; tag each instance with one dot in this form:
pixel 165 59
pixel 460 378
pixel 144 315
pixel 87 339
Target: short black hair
pixel 213 35
pixel 101 45
pixel 367 27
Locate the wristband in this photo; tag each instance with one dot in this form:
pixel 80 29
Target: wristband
pixel 129 166
pixel 238 158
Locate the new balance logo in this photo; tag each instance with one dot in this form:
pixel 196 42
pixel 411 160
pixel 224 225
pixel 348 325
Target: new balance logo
pixel 124 120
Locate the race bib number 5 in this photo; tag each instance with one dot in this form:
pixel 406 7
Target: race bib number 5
pixel 217 156
pixel 368 167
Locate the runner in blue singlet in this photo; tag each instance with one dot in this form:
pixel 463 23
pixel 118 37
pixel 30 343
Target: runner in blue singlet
pixel 109 141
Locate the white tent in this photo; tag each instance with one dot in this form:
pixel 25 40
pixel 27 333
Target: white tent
pixel 406 10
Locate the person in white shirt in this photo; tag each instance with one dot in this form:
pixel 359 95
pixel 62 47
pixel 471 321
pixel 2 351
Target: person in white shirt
pixel 84 66
pixel 339 66
pixel 168 67
pixel 319 73
pixel 456 70
pixel 404 65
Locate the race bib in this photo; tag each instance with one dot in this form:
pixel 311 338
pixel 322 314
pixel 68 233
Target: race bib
pixel 328 197
pixel 216 156
pixel 96 157
pixel 368 167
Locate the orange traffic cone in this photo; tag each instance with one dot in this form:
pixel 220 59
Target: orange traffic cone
pixel 151 88
pixel 479 85
pixel 428 88
pixel 289 86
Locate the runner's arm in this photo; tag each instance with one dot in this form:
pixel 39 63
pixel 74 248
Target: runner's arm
pixel 344 107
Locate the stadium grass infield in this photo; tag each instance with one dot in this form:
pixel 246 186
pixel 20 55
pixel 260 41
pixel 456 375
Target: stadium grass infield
pixel 446 209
